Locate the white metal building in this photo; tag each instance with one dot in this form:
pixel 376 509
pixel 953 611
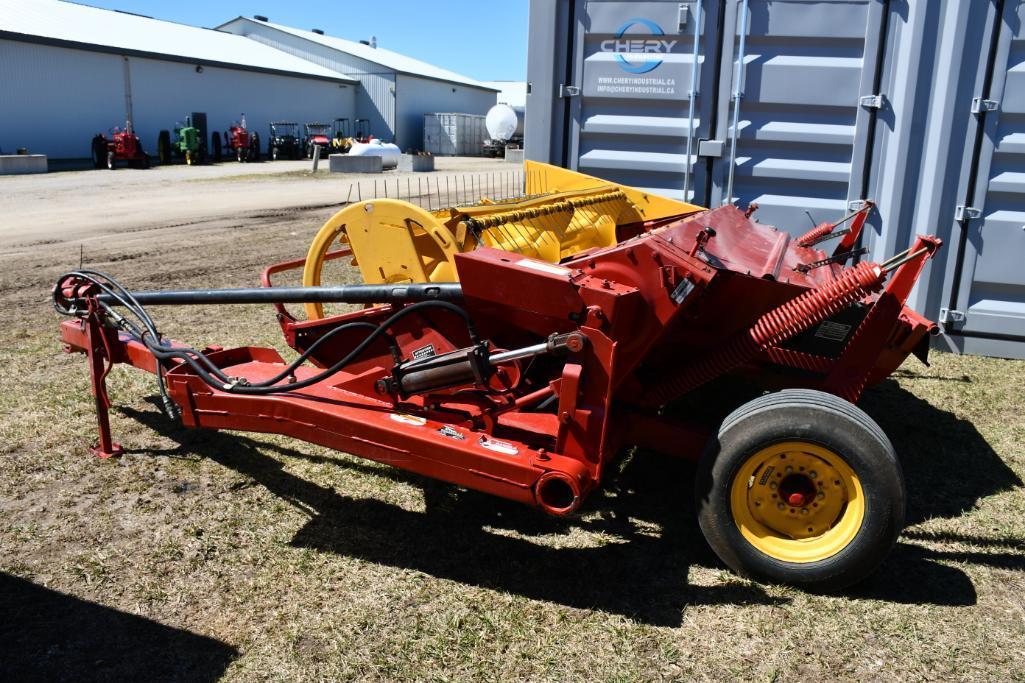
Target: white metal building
pixel 69 71
pixel 396 90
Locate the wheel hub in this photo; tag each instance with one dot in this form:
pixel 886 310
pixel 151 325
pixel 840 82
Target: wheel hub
pixel 797 501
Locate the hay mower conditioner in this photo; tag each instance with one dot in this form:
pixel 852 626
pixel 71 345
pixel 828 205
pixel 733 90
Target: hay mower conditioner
pixel 523 378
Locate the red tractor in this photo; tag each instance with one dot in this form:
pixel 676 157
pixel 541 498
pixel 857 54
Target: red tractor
pixel 245 145
pixel 122 145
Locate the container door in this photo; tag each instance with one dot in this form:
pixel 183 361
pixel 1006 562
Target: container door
pixel 630 115
pixel 986 304
pixel 797 138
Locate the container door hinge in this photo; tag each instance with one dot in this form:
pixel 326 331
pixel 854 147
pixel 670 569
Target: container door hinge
pixel 980 105
pixel 684 9
pixel 856 205
pixel 951 317
pixel 569 90
pixel 966 213
pixel 872 101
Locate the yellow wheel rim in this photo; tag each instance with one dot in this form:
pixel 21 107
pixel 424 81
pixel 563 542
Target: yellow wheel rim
pixel 797 502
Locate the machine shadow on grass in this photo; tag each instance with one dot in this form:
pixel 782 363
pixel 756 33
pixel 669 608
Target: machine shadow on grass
pixel 50 636
pixel 645 512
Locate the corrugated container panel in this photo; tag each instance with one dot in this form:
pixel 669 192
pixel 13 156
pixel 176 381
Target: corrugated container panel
pixel 841 100
pixel 990 304
pixel 630 122
pixel 450 134
pixel 804 70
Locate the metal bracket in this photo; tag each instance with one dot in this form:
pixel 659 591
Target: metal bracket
pixel 569 90
pixel 856 205
pixel 980 105
pixel 966 213
pixel 872 101
pixel 711 148
pixel 950 316
pixel 684 10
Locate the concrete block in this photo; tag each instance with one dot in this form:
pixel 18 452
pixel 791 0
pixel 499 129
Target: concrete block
pixel 17 164
pixel 416 163
pixel 513 155
pixel 343 163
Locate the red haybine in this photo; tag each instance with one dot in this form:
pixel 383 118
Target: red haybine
pixel 526 378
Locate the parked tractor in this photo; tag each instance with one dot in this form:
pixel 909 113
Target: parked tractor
pixel 122 145
pixel 341 139
pixel 519 347
pixel 187 141
pixel 283 141
pixel 240 142
pixel 316 135
pixel 362 130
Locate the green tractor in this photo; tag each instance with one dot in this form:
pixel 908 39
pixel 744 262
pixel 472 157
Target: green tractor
pixel 188 142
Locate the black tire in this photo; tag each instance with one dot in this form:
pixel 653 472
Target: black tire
pixel 820 420
pixel 254 147
pixel 99 151
pixel 111 160
pixel 164 146
pixel 143 159
pixel 216 142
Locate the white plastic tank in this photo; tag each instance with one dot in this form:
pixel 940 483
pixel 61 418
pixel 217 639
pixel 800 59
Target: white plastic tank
pixel 388 152
pixel 504 122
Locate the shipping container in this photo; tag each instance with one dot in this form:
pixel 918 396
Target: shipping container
pixel 454 134
pixel 808 108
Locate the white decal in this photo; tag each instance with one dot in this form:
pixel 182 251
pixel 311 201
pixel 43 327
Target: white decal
pixel 503 447
pixel 405 418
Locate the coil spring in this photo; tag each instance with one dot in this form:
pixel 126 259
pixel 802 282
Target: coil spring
pixel 809 238
pixel 779 324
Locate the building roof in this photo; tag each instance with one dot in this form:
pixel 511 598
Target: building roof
pixel 67 24
pixel 377 55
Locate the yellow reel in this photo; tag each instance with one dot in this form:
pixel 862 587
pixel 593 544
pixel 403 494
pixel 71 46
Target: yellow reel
pixel 561 214
pixel 391 240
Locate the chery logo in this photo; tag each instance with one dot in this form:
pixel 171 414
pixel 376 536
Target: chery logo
pixel 639 46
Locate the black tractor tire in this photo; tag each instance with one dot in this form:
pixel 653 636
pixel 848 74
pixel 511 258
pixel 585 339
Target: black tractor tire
pixel 164 146
pixel 272 155
pixel 216 142
pixel 99 151
pixel 254 147
pixel 727 490
pixel 111 160
pixel 143 160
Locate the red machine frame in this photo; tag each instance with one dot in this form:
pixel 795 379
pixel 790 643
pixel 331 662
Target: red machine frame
pixel 675 304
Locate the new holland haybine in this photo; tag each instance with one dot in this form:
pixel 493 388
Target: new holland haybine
pixel 517 346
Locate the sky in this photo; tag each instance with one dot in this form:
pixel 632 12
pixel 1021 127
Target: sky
pixel 483 39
